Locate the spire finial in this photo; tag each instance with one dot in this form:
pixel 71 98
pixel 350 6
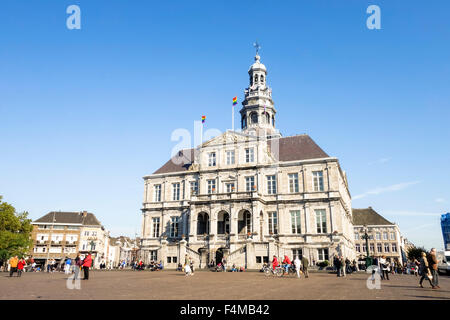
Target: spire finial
pixel 257 47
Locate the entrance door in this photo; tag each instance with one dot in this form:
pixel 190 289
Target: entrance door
pixel 219 255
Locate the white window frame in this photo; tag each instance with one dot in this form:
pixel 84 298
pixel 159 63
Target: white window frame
pixel 174 231
pixel 156 227
pixel 358 247
pixel 230 157
pixel 176 191
pixel 385 236
pixel 323 255
pixel 273 222
pixel 318 180
pixel 386 247
pixel 321 220
pixel 378 236
pixel 251 180
pixel 211 186
pixel 229 187
pixel 296 222
pixel 212 159
pixel 293 182
pixel 379 247
pixel 157 193
pixel 194 187
pixel 271 184
pixel 249 155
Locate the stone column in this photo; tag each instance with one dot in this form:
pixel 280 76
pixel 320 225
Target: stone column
pixel 272 250
pixel 183 244
pixel 250 254
pixel 163 252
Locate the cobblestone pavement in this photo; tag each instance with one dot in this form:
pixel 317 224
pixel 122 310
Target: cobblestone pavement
pixel 209 285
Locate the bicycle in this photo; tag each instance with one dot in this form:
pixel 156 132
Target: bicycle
pixel 270 271
pixel 291 270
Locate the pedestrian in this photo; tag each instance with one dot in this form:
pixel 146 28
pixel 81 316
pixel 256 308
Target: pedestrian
pixel 187 270
pixel 337 265
pixel 298 265
pixel 20 265
pixel 191 265
pixel 305 263
pixel 384 265
pixel 77 266
pixel 424 270
pixel 433 264
pixel 342 265
pixel 87 263
pixel 67 265
pixel 13 265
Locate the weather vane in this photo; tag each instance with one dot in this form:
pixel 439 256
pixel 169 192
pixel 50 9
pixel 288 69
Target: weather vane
pixel 257 47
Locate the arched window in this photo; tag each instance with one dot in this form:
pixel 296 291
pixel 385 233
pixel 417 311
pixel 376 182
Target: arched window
pixel 267 118
pixel 256 79
pixel 244 121
pixel 273 121
pixel 254 117
pixel 262 79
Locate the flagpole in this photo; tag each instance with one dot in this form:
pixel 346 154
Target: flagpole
pixel 201 135
pixel 232 118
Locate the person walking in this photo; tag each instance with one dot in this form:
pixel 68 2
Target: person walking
pixel 305 263
pixel 67 265
pixel 13 265
pixel 20 266
pixel 298 265
pixel 433 264
pixel 342 265
pixel 424 270
pixel 77 266
pixel 337 265
pixel 191 265
pixel 87 263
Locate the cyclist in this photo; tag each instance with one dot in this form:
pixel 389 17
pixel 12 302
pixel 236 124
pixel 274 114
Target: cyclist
pixel 287 263
pixel 275 262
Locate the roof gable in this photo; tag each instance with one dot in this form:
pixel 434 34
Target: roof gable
pixel 368 217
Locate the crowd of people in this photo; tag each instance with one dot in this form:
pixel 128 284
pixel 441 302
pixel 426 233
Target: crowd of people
pixel 299 265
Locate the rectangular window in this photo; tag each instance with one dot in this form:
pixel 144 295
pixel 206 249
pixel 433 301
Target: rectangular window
pixel 322 254
pixel 230 187
pixel 370 236
pixel 392 236
pixel 385 235
pixel 258 259
pixel 321 221
pixel 394 247
pixel 169 259
pixel 273 223
pixel 230 157
pixel 212 159
pixel 156 227
pixel 318 180
pixel 271 184
pixel 153 255
pixel 379 247
pixel 250 183
pixel 386 247
pixel 176 191
pixel 211 186
pixel 194 188
pixel 372 248
pixel 364 247
pixel 358 248
pixel 86 233
pixel 297 253
pixel 293 182
pixel 295 221
pixel 157 193
pixel 249 155
pixel 174 259
pixel 378 236
pixel 356 236
pixel 94 233
pixel 174 227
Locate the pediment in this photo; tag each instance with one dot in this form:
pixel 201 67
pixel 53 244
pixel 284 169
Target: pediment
pixel 228 137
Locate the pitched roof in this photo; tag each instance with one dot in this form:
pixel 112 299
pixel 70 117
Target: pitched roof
pixel 368 217
pixel 300 147
pixel 70 217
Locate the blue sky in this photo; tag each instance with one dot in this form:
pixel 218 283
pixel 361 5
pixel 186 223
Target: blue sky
pixel 85 114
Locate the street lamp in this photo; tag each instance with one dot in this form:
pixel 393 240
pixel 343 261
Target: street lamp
pixel 366 237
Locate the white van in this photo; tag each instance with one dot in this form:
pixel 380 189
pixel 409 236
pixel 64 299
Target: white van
pixel 444 263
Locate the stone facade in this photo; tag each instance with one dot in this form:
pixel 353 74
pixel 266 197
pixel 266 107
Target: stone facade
pixel 248 195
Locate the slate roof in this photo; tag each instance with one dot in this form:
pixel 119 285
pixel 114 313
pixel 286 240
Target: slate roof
pixel 70 217
pixel 368 217
pixel 300 147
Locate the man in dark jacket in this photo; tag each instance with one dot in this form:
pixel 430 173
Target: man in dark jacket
pixel 305 263
pixel 433 265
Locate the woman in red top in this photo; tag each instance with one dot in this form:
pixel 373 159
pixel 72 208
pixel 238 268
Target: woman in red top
pixel 87 262
pixel 20 265
pixel 275 262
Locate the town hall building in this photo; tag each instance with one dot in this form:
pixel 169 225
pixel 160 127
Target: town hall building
pixel 248 195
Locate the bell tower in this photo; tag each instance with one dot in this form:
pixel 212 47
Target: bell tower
pixel 258 111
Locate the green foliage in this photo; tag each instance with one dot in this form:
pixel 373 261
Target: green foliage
pixel 323 264
pixel 415 253
pixel 15 231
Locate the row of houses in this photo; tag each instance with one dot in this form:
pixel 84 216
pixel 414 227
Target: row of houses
pixel 59 235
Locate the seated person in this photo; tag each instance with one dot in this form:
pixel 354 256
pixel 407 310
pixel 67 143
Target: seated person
pixel 233 268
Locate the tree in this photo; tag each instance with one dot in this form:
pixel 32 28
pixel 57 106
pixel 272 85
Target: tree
pixel 15 232
pixel 415 253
